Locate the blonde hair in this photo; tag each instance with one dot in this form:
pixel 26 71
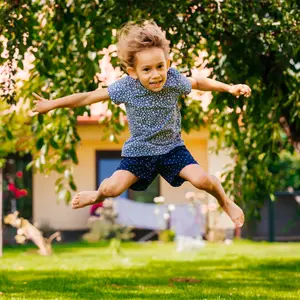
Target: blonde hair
pixel 135 37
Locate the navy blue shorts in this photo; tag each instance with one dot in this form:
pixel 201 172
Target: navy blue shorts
pixel 167 165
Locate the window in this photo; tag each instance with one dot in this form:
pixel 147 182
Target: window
pixel 107 162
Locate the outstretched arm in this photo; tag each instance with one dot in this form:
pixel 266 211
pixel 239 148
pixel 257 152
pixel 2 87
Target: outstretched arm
pixel 43 105
pixel 207 84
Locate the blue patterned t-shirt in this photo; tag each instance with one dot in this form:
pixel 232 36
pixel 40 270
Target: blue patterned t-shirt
pixel 153 117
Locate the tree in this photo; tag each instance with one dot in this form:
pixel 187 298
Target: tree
pixel 248 41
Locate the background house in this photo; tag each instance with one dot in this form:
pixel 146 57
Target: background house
pixel 98 159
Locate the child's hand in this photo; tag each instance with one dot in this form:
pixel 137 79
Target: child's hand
pixel 42 105
pixel 240 89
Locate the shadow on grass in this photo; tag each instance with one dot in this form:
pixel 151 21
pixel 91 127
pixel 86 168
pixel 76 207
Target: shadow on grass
pixel 239 279
pixel 57 246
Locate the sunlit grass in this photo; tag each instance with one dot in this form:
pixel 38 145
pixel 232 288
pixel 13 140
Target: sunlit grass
pixel 244 270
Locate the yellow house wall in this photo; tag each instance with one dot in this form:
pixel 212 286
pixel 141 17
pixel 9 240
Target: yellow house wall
pixel 47 211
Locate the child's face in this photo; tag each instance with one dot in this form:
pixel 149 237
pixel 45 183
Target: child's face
pixel 151 67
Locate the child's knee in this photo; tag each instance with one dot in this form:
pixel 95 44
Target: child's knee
pixel 110 189
pixel 205 182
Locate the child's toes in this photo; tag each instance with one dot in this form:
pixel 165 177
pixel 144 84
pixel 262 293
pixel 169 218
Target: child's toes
pixel 239 222
pixel 74 202
pixel 74 205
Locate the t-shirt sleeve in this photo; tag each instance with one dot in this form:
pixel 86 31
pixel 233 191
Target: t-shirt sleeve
pixel 118 91
pixel 183 85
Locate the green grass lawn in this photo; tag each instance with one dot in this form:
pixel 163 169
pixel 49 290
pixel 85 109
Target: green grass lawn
pixel 244 270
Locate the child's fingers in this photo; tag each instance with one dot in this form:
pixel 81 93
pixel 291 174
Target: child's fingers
pixel 37 96
pixel 248 91
pixel 245 90
pixel 32 113
pixel 241 91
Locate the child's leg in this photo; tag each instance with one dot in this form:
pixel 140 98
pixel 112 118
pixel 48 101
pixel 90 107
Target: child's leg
pixel 201 180
pixel 113 186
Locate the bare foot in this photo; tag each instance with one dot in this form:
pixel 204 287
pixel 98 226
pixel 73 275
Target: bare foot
pixel 235 213
pixel 84 198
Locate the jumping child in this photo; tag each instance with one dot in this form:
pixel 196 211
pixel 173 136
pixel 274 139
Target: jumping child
pixel 150 94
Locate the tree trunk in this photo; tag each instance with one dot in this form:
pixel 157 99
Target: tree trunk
pixel 1 233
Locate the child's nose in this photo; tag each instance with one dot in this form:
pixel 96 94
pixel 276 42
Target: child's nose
pixel 155 74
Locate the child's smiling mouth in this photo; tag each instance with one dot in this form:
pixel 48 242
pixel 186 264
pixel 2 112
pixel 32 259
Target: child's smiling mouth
pixel 156 83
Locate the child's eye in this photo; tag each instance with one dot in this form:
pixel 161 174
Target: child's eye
pixel 146 69
pixel 160 66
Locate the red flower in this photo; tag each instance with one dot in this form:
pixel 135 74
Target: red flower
pixel 18 194
pixel 11 187
pixel 23 192
pixel 19 174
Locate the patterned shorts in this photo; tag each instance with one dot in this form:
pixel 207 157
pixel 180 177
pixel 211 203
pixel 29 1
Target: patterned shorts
pixel 167 165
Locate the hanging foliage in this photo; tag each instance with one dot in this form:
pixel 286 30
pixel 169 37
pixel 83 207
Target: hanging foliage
pixel 252 42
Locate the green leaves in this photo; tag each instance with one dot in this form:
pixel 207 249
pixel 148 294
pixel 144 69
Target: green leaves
pixel 9 134
pixel 62 185
pixel 53 143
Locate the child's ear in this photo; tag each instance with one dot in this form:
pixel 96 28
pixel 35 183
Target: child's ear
pixel 132 73
pixel 168 63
